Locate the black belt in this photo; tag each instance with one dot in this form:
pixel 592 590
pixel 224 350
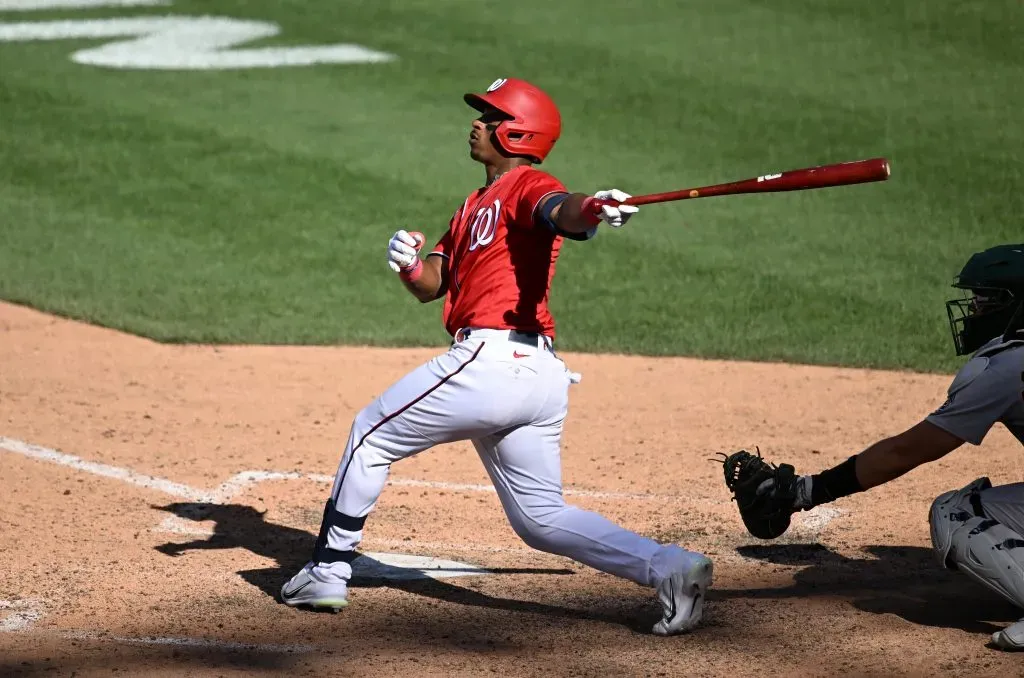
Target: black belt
pixel 527 338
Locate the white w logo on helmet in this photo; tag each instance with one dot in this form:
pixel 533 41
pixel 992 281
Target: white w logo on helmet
pixel 496 84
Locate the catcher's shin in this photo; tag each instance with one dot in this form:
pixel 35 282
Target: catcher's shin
pixel 765 493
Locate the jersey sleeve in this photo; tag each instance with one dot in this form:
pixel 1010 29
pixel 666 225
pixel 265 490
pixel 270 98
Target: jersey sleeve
pixel 443 248
pixel 535 186
pixel 536 189
pixel 982 392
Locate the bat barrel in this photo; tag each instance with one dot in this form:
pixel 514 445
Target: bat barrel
pixel 839 174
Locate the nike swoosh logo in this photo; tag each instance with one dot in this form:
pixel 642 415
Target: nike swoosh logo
pixel 292 594
pixel 517 354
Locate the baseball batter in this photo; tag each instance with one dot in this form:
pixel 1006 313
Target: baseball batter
pixel 501 384
pixel 978 529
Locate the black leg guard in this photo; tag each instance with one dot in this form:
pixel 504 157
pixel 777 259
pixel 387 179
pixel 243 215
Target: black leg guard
pixel 333 518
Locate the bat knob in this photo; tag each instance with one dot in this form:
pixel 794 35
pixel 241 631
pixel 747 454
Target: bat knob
pixel 591 209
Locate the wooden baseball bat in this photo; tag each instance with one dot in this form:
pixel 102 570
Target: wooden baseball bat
pixel 838 174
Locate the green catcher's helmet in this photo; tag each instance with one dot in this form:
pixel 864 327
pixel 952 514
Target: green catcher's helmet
pixel 993 301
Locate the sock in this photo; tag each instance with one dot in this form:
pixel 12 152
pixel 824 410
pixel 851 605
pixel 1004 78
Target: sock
pixel 838 481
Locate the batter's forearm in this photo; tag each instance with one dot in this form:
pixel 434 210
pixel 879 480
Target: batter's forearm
pixel 426 283
pixel 571 215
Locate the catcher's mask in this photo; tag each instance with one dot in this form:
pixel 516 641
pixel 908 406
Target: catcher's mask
pixel 992 303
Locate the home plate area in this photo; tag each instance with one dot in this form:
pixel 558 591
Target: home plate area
pixel 369 567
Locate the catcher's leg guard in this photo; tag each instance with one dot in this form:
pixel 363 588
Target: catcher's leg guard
pixel 991 554
pixel 951 510
pixel 1005 503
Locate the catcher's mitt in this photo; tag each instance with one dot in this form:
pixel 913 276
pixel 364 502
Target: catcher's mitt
pixel 764 492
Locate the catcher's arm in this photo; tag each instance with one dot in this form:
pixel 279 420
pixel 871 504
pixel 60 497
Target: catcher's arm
pixel 891 458
pixel 768 495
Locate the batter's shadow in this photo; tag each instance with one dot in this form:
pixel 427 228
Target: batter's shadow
pixel 905 581
pixel 239 526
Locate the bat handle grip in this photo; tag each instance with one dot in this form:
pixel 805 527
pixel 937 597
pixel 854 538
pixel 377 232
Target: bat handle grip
pixel 591 208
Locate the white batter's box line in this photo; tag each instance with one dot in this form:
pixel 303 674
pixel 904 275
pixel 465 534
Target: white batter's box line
pixel 19 615
pixel 40 5
pixel 189 642
pixel 240 482
pixel 105 470
pixel 177 641
pixel 22 614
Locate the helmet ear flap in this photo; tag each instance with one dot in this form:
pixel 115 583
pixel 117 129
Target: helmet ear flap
pixel 511 142
pixel 502 138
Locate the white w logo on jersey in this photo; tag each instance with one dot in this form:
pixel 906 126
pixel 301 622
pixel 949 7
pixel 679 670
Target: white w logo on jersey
pixel 485 224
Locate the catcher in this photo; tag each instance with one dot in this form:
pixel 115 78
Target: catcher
pixel 978 529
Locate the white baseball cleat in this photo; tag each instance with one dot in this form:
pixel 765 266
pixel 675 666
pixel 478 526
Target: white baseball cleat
pixel 682 596
pixel 1010 638
pixel 317 587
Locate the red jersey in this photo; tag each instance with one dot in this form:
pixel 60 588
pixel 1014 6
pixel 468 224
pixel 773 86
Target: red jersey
pixel 500 260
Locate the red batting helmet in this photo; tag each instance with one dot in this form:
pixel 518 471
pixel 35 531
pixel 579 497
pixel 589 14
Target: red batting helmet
pixel 535 123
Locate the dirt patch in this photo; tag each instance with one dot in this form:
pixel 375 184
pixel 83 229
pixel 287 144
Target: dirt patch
pixel 150 547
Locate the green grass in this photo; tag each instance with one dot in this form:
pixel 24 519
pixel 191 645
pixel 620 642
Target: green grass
pixel 255 206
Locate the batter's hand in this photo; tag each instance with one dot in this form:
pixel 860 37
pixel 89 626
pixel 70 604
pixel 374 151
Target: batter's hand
pixel 616 216
pixel 403 250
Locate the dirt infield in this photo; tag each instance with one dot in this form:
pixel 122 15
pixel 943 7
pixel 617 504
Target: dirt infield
pixel 156 497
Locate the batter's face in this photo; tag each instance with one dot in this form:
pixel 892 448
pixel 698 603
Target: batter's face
pixel 481 138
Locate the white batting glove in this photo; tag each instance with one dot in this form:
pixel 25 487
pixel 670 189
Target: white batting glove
pixel 403 251
pixel 616 217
